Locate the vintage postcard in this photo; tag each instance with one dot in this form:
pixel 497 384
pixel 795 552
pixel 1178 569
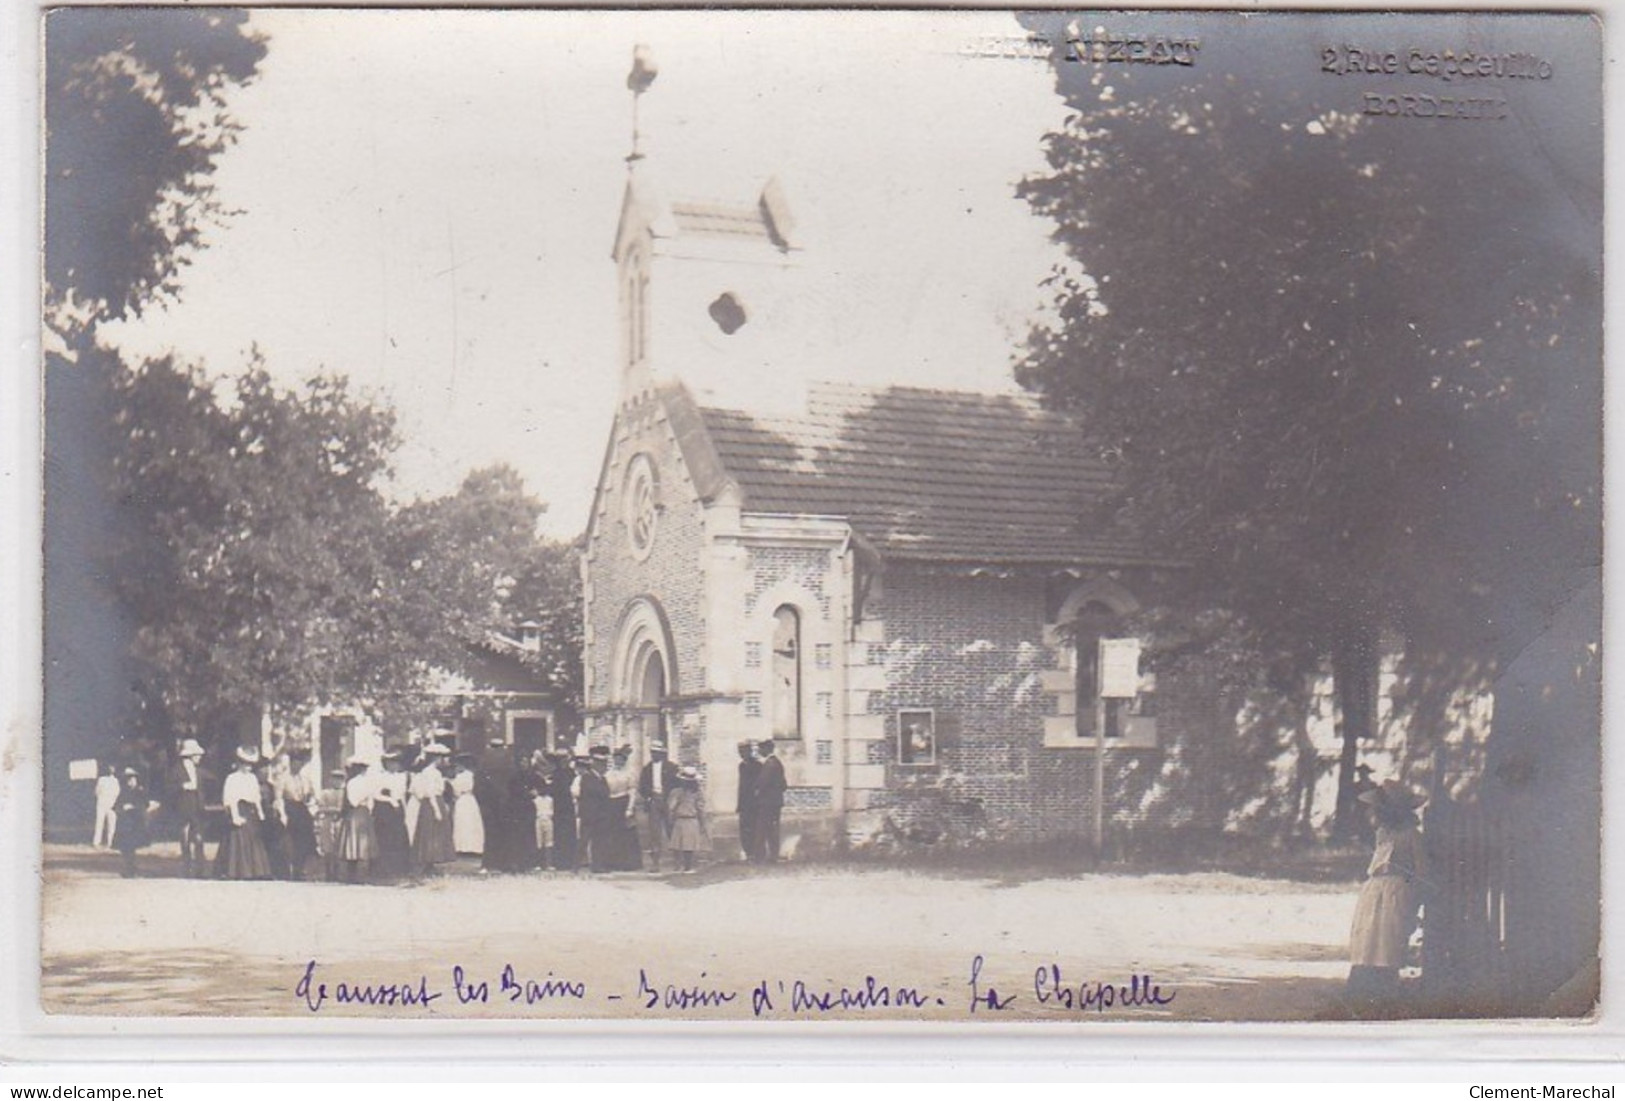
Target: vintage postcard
pixel 1085 517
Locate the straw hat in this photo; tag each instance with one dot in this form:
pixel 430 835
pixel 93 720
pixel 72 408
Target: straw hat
pixel 190 748
pixel 248 755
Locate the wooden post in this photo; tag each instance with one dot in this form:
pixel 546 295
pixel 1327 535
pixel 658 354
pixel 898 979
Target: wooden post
pixel 1100 774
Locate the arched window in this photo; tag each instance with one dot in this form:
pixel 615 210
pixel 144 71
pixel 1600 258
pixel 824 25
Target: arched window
pixel 635 300
pixel 1095 621
pixel 786 673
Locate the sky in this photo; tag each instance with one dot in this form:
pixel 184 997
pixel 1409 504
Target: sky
pixel 427 201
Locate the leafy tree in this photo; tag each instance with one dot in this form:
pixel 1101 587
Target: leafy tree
pixel 255 563
pixel 1346 403
pixel 547 591
pixel 136 118
pixel 479 565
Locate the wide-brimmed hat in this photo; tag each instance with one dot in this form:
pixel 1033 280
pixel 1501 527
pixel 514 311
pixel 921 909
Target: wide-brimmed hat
pixel 190 748
pixel 657 746
pixel 435 749
pixel 598 751
pixel 623 751
pixel 248 755
pixel 1393 794
pixel 356 760
pixel 688 772
pixel 131 770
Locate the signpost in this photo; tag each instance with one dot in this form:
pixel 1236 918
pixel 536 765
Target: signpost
pixel 1119 665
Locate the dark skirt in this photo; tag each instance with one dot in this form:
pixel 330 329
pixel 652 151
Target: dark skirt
pixel 242 854
pixel 522 853
pixel 301 834
pixel 621 835
pixel 130 832
pixel 394 848
pixel 357 838
pixel 564 835
pixel 431 836
pixel 274 835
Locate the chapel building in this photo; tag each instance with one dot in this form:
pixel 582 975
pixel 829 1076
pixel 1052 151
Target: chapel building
pixel 897 585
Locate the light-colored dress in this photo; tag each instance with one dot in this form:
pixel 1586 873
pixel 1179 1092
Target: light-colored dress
pixel 1385 913
pixel 468 825
pixel 687 809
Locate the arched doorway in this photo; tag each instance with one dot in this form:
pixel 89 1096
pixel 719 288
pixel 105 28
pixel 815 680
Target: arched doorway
pixel 644 676
pixel 648 721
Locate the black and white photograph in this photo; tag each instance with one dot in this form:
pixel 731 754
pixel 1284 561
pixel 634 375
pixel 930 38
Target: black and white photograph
pixel 775 516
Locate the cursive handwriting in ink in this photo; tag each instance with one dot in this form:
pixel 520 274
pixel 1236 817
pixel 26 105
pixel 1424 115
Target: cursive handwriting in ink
pixel 315 994
pixel 984 999
pixel 871 995
pixel 1050 987
pixel 469 991
pixel 681 997
pixel 761 999
pixel 531 991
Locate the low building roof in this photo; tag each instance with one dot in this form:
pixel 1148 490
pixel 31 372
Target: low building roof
pixel 921 474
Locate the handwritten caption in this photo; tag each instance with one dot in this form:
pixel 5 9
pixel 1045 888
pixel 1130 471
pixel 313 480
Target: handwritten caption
pixel 1050 988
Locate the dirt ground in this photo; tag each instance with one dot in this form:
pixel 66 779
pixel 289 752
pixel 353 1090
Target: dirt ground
pixel 792 942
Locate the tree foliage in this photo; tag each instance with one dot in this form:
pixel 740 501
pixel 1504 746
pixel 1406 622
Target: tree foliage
pixel 256 563
pixel 266 568
pixel 136 119
pixel 1332 383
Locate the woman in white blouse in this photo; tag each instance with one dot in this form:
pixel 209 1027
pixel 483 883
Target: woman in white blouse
pixel 243 854
pixel 426 814
pixel 358 844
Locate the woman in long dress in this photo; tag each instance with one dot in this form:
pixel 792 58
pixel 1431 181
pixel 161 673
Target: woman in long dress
pixel 1385 914
pixel 426 811
pixel 242 855
pixel 621 829
pixel 468 828
pixel 394 857
pixel 357 841
pixel 297 794
pixel 130 805
pixel 686 806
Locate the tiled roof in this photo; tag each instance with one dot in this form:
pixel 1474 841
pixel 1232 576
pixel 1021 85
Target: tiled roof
pixel 928 475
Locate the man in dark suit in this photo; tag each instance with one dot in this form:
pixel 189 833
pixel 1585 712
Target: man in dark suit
pixel 493 790
pixel 186 789
pixel 770 785
pixel 592 805
pixel 750 771
pixel 655 782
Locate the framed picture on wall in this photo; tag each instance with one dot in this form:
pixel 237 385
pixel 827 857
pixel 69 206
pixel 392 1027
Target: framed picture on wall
pixel 917 737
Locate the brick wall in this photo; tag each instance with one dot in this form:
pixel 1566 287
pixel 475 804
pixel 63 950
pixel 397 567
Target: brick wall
pixel 672 572
pixel 972 650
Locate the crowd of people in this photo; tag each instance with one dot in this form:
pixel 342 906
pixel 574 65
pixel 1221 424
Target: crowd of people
pixel 411 811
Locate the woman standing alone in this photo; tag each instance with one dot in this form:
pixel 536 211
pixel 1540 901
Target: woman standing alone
pixel 1385 914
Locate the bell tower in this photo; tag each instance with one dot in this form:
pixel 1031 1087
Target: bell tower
pixel 705 287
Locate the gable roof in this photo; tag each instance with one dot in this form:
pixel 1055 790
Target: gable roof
pixel 921 474
pixel 767 220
